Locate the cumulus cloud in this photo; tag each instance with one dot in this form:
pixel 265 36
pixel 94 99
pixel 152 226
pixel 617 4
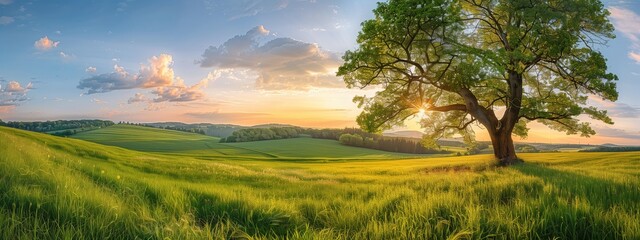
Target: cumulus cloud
pixel 91 69
pixel 157 75
pixel 12 93
pixel 626 21
pixel 179 92
pixel 5 20
pixel 281 63
pixel 45 44
pixel 139 97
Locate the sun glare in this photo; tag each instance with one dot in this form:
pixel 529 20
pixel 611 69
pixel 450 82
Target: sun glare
pixel 422 113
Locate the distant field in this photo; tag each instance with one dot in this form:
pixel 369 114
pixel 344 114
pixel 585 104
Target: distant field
pixel 181 143
pixel 52 187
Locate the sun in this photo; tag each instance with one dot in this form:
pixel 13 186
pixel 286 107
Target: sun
pixel 422 113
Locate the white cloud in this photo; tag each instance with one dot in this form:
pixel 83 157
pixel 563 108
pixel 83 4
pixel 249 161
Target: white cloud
pixel 627 22
pixel 91 69
pixel 5 20
pixel 66 56
pixel 6 2
pixel 282 63
pixel 13 93
pixel 158 75
pixel 45 44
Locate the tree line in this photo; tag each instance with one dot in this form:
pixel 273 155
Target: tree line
pixel 389 144
pixel 195 130
pixel 58 127
pixel 612 149
pixel 260 134
pixel 347 136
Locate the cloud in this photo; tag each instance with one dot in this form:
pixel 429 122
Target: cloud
pixel 98 101
pixel 615 109
pixel 139 97
pixel 225 116
pixel 626 21
pixel 66 56
pixel 6 20
pixel 5 2
pixel 281 63
pixel 157 75
pixel 623 110
pixel 45 44
pixel 179 92
pixel 616 133
pixel 12 93
pixel 91 69
pixel 635 57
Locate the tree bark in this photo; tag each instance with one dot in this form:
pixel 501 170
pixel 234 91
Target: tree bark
pixel 503 148
pixel 499 130
pixel 502 141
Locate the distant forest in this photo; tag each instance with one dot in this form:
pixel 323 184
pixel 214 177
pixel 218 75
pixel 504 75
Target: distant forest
pixel 59 127
pixel 260 134
pixel 611 149
pixel 347 136
pixel 175 128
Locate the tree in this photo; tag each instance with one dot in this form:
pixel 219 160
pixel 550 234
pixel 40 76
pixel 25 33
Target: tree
pixel 497 64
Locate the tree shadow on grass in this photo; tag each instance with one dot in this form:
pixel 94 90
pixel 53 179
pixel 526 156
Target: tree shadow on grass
pixel 601 193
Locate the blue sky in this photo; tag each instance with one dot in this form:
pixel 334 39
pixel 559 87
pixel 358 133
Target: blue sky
pixel 146 61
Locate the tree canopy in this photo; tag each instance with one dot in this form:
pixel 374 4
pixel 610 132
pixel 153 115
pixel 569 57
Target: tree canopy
pixel 498 64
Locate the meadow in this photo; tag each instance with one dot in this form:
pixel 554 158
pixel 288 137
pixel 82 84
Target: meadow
pixel 156 184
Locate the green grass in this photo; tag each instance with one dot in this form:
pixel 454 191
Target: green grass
pixel 52 187
pixel 206 147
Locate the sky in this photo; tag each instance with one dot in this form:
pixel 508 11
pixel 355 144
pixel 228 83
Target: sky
pixel 242 62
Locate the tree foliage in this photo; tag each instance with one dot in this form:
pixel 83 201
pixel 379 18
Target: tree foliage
pixel 259 134
pixel 498 64
pixel 58 125
pixel 389 144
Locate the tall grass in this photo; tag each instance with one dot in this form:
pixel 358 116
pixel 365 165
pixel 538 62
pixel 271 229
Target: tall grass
pixel 54 187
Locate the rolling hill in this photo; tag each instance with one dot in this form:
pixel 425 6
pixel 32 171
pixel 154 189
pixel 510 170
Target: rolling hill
pixel 63 188
pixel 181 143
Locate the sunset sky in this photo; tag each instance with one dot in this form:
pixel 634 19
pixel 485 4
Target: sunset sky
pixel 242 62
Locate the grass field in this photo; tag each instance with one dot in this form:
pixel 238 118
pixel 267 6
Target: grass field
pixel 52 187
pixel 206 147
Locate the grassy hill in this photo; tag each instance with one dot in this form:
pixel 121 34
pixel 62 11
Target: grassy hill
pixel 206 147
pixel 52 187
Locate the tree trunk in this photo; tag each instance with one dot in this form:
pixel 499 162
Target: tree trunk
pixel 503 148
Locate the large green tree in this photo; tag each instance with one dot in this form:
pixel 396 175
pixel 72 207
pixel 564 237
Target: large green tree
pixel 498 64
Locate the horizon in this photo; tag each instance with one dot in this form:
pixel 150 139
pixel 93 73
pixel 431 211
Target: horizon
pixel 224 63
